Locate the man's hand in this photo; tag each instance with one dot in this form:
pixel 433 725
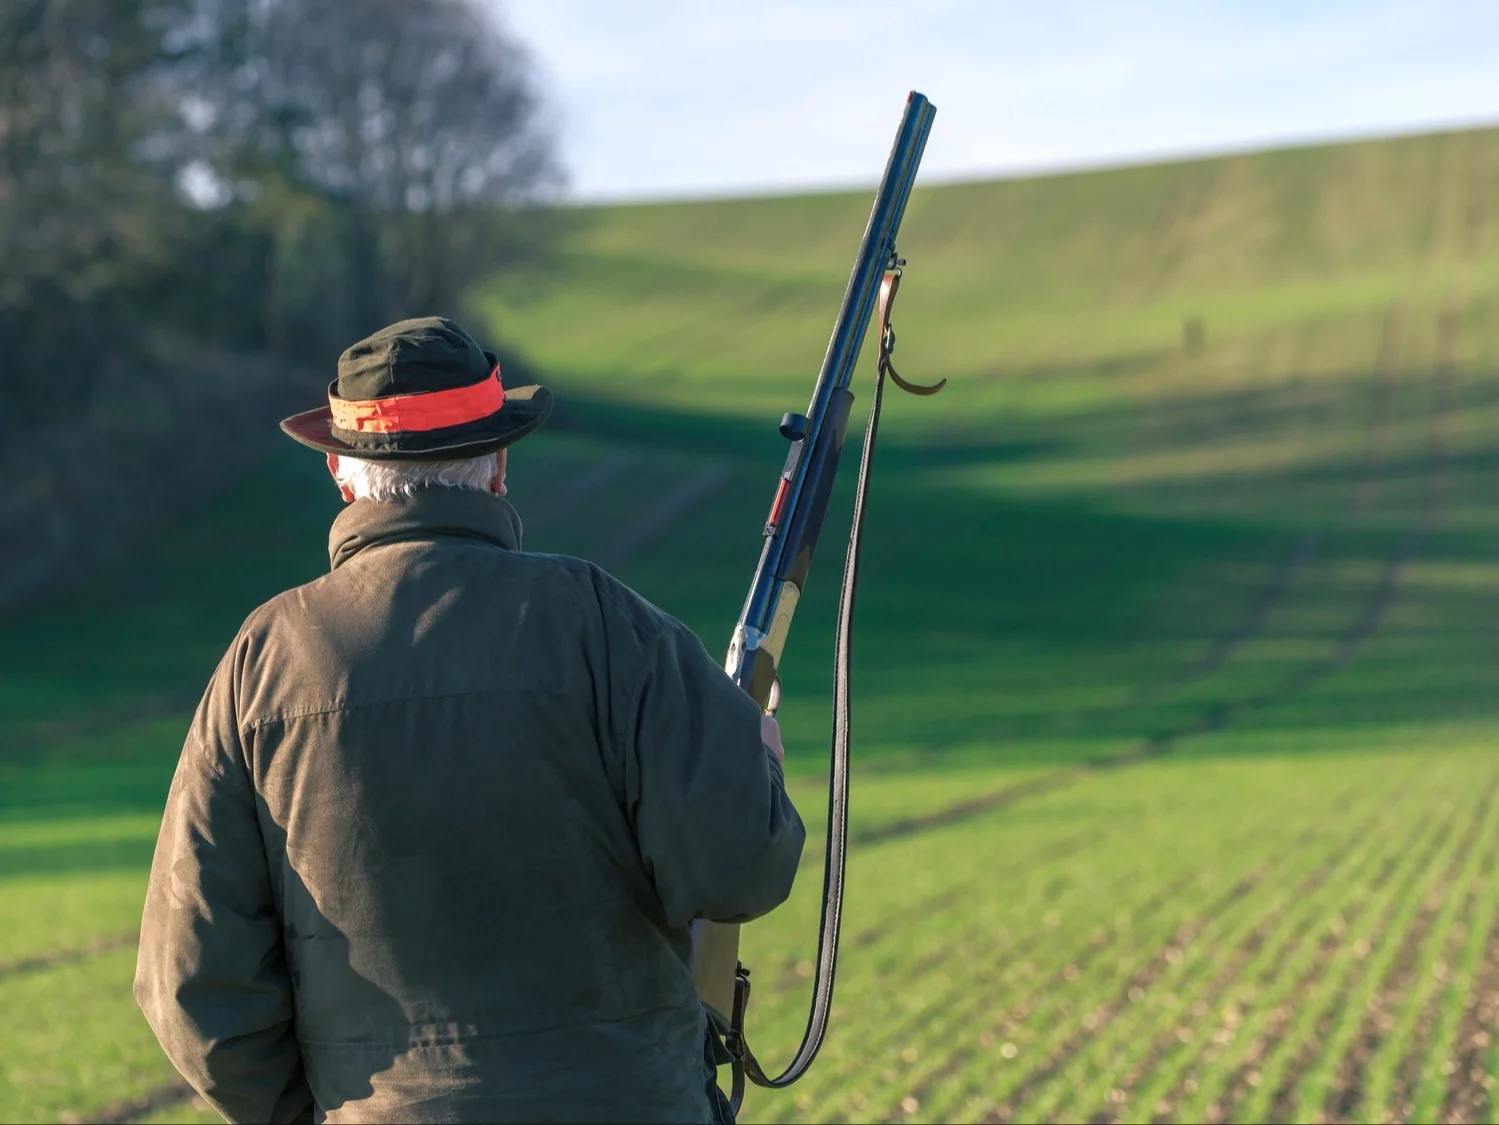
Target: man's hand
pixel 770 734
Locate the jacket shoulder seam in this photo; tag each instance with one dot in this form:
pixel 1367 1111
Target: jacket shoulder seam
pixel 335 708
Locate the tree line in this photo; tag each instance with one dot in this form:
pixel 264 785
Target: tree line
pixel 277 176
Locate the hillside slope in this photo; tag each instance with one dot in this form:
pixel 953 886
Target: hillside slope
pixel 730 301
pixel 1176 688
pixel 1097 496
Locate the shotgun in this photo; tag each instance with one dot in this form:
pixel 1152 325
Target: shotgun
pixel 791 531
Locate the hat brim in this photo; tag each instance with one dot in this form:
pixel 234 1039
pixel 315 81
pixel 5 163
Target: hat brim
pixel 525 409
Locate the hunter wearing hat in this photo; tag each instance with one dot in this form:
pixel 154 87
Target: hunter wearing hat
pixel 445 815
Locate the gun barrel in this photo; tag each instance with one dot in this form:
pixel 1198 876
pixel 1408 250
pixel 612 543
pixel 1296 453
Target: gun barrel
pixel 874 251
pixel 803 497
pixel 796 517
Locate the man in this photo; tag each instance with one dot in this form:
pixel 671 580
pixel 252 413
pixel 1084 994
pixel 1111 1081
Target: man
pixel 444 815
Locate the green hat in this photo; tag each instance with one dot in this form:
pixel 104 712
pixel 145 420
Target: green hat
pixel 420 390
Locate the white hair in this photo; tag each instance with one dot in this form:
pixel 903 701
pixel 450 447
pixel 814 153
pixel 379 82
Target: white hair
pixel 387 480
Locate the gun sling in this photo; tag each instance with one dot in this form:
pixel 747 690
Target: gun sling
pixel 791 533
pixel 835 854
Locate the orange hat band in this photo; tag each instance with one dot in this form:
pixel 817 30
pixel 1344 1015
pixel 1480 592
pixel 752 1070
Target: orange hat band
pixel 434 410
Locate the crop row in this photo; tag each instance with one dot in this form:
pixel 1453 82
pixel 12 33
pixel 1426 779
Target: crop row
pixel 1170 974
pixel 1171 1020
pixel 955 1009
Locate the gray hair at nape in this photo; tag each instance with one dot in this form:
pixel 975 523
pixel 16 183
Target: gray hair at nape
pixel 391 480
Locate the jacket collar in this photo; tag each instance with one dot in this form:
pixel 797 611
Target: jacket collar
pixel 431 512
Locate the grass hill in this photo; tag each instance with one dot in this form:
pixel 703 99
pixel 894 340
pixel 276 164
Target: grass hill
pixel 734 298
pixel 1092 488
pixel 1176 690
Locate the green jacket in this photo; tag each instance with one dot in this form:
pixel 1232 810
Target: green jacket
pixel 437 834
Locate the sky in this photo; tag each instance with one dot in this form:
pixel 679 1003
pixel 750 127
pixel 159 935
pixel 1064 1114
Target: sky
pixel 660 99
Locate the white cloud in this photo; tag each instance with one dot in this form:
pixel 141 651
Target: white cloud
pixel 683 97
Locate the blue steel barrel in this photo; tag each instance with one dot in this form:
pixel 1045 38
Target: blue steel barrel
pixel 806 482
pixel 800 503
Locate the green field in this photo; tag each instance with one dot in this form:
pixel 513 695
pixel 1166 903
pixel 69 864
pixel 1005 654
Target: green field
pixel 1177 680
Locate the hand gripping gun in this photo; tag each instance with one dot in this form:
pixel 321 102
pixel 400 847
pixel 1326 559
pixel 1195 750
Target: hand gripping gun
pixel 791 531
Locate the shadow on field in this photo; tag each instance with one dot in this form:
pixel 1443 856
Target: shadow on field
pixel 1026 624
pixel 94 856
pixel 1009 613
pixel 716 435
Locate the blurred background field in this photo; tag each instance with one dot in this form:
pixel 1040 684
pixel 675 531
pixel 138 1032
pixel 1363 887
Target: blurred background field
pixel 1176 690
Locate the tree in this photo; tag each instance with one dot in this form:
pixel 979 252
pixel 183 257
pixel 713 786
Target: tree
pixel 395 130
pixel 284 175
pixel 81 202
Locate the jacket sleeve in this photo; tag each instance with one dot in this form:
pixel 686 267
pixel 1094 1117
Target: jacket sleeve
pixel 716 830
pixel 211 976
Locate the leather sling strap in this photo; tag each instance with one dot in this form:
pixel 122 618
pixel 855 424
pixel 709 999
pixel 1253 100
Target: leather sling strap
pixel 834 859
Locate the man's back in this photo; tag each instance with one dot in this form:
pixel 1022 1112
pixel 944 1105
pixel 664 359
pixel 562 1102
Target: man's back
pixel 490 790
